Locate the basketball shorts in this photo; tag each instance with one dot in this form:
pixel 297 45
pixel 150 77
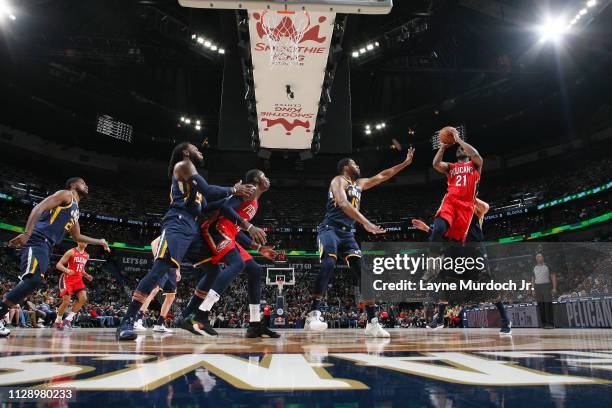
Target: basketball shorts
pixel 35 256
pixel 168 282
pixel 218 241
pixel 459 215
pixel 69 285
pixel 178 233
pixel 335 241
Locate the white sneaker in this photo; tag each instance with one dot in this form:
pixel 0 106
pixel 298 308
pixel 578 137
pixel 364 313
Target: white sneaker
pixel 162 328
pixel 314 322
pixel 138 326
pixel 4 332
pixel 374 329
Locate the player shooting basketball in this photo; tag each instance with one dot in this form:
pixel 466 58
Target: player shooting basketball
pixel 336 236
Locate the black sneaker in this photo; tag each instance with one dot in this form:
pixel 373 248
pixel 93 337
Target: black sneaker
pixel 125 331
pixel 436 324
pixel 256 329
pixel 506 328
pixel 198 328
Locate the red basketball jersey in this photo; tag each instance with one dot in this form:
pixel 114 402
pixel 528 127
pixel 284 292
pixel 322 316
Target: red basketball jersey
pixel 77 263
pixel 463 181
pixel 246 210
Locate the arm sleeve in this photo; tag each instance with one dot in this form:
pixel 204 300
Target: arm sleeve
pixel 243 239
pixel 228 210
pixel 210 192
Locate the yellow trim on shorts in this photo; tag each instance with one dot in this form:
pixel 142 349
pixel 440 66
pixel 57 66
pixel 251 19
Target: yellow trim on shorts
pixel 177 263
pixel 349 255
pixel 202 262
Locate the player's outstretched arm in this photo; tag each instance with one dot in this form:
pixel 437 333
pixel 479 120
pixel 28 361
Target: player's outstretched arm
pixel 338 187
pixel 62 197
pixel 187 172
pixel 470 151
pixel 78 237
pixel 367 183
pixel 61 264
pixel 441 166
pixel 228 210
pixel 246 241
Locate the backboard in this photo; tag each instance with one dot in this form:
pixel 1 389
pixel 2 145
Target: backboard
pixel 325 6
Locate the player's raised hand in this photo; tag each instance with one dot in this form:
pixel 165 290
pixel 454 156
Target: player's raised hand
pixel 419 224
pixel 104 245
pixel 88 277
pixel 373 229
pixel 258 235
pixel 19 241
pixel 268 252
pixel 456 136
pixel 409 155
pixel 244 190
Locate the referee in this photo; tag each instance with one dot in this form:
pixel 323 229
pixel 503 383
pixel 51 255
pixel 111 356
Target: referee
pixel 545 285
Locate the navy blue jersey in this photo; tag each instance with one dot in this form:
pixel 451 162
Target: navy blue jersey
pixel 186 198
pixel 54 223
pixel 334 214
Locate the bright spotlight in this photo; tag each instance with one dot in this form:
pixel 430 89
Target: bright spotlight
pixel 368 131
pixel 182 118
pixel 187 121
pixel 383 124
pixel 193 36
pixel 200 40
pixel 355 54
pixel 221 51
pixel 198 127
pixel 378 127
pixel 552 30
pixel 377 44
pixel 207 44
pixel 362 51
pixel 369 47
pixel 591 3
pixel 582 12
pixel 214 48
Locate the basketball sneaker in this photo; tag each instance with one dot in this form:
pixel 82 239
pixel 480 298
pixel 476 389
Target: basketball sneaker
pixel 436 324
pixel 314 322
pixel 256 329
pixel 161 328
pixel 506 328
pixel 138 326
pixel 203 328
pixel 67 324
pixel 59 325
pixel 125 331
pixel 4 332
pixel 375 329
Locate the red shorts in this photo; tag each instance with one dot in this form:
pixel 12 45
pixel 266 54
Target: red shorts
pixel 70 286
pixel 218 240
pixel 459 215
pixel 243 253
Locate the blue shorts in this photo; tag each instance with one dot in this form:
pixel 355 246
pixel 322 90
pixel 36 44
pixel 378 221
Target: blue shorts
pixel 178 233
pixel 168 282
pixel 335 241
pixel 35 257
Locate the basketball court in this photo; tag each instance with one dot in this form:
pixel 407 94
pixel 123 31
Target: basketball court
pixel 416 367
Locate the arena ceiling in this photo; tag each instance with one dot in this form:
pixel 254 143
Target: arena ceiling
pixel 64 62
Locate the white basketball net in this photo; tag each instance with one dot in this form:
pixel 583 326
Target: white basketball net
pixel 284 31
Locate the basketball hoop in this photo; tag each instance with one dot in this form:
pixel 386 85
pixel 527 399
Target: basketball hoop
pixel 284 30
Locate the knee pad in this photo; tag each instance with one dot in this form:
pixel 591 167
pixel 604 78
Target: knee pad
pixel 253 270
pixel 328 264
pixel 440 227
pixel 356 265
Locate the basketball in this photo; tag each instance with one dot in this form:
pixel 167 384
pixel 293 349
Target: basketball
pixel 447 135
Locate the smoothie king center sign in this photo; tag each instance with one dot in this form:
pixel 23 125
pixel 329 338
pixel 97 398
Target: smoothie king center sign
pixel 286 120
